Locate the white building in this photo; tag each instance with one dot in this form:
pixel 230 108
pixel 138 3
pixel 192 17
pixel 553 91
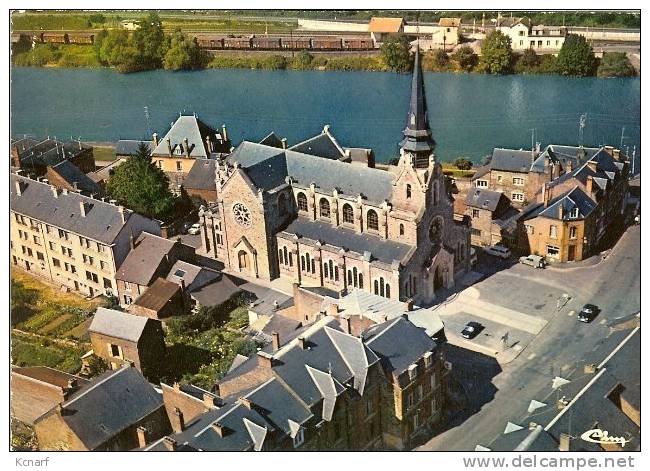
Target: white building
pixel 542 39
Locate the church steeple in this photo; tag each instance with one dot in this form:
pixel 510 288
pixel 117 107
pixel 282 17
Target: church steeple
pixel 417 135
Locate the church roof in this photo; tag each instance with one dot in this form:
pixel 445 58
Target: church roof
pixel 417 135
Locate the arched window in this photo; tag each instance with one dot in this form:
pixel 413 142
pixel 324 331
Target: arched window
pixel 408 191
pixel 302 202
pixel 324 208
pixel 336 273
pixel 349 277
pixel 302 263
pixel 282 204
pixel 331 270
pixel 286 259
pixel 354 276
pixel 387 290
pixel 280 257
pixel 243 259
pixel 348 214
pixel 290 259
pixel 313 265
pixel 360 280
pixel 376 287
pixel 326 270
pixel 381 286
pixel 372 221
pixel 308 268
pixel 401 229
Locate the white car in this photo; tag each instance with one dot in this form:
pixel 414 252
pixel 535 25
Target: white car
pixel 194 229
pixel 498 251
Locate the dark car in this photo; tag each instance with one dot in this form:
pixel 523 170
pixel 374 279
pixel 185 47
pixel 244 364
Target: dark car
pixel 588 313
pixel 471 330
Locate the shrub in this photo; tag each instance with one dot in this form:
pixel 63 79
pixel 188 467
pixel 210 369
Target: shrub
pixel 462 163
pixel 615 64
pixel 466 58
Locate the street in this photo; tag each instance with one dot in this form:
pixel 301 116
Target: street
pixel 501 392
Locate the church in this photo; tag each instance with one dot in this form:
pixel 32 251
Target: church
pixel 322 215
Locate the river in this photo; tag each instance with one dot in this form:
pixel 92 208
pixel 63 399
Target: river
pixel 469 113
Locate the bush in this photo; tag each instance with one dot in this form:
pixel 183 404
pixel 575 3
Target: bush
pixel 437 61
pixel 462 163
pixel 303 61
pixel 31 353
pixel 396 53
pixel 576 57
pixel 496 54
pixel 466 58
pixel 615 64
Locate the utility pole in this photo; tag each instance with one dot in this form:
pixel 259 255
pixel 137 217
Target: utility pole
pixel 147 118
pixel 633 158
pixel 622 137
pixel 532 139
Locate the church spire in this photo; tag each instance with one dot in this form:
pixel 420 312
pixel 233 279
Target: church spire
pixel 417 135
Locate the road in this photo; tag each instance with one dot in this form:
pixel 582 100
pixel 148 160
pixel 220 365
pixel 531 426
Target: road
pixel 501 394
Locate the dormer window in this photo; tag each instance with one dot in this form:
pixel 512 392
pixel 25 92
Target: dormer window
pixel 574 213
pixel 428 359
pixel 413 371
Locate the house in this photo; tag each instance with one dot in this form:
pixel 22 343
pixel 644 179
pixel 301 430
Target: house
pixel 322 389
pixel 150 257
pixel 380 27
pixel 508 173
pixel 523 35
pixel 200 182
pixel 161 300
pixel 490 213
pixel 33 156
pixel 321 221
pixel 121 338
pixel 107 414
pixel 71 240
pixel 37 389
pixel 125 148
pixel 66 175
pixel 188 140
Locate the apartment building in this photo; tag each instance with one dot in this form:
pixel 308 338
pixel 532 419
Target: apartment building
pixel 70 239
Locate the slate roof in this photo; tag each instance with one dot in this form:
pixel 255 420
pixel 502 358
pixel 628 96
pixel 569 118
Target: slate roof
pixel 103 221
pixel 128 147
pixel 192 275
pixel 47 151
pixel 383 250
pixel 109 404
pixel 511 160
pixel 322 145
pixel 217 292
pixel 104 173
pixel 265 305
pixel 144 259
pixel 118 324
pixel 268 168
pixel 388 341
pixel 72 174
pixel 574 198
pixel 158 295
pixel 272 140
pixel 417 134
pixel 483 199
pixel 192 129
pixel 202 175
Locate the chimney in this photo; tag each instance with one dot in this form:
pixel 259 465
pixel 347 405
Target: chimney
pixel 82 208
pixel 182 285
pixel 346 323
pixel 556 170
pixel 55 191
pixel 302 343
pixel 265 360
pixel 609 150
pixel 545 195
pixel 409 304
pixel 547 164
pixel 187 146
pixel 142 437
pixel 569 166
pixel 72 383
pixel 284 142
pixel 177 420
pixel 333 309
pixel 565 442
pixel 224 132
pixel 120 209
pixel 155 139
pixel 590 185
pixel 169 443
pixel 246 402
pixel 276 305
pixel 169 146
pixel 405 316
pixel 19 188
pixel 208 143
pixel 616 153
pixel 275 342
pixel 75 185
pixel 326 129
pixel 560 211
pixel 219 429
pixel 580 154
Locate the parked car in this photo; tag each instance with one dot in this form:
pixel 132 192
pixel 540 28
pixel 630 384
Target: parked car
pixel 588 313
pixel 498 251
pixel 194 229
pixel 473 258
pixel 185 227
pixel 471 330
pixel 535 261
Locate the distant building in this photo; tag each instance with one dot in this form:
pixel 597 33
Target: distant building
pixel 121 338
pixel 130 25
pixel 188 139
pixel 70 239
pixel 445 35
pixel 380 27
pixel 107 414
pixel 129 147
pixel 508 173
pixel 37 389
pixel 33 156
pixel 523 35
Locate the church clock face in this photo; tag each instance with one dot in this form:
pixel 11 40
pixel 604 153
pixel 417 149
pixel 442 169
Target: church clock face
pixel 241 214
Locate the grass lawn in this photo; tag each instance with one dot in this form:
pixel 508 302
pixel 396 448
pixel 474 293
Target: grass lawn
pixel 450 169
pixel 26 351
pixel 104 153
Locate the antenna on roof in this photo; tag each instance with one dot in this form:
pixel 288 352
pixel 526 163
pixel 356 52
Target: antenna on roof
pixel 583 123
pixel 147 118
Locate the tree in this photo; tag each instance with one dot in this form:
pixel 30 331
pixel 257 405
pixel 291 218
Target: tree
pixel 117 50
pixel 150 42
pixel 496 53
pixel 615 64
pixel 466 58
pixel 527 62
pixel 440 59
pixel 462 163
pixel 395 53
pixel 576 57
pixel 141 186
pixel 183 53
